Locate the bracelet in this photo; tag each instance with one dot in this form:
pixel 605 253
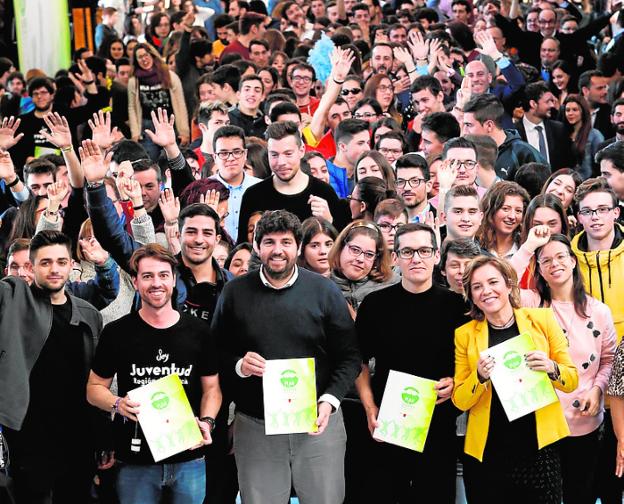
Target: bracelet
pixel 116 405
pixel 138 207
pixel 14 182
pixel 69 148
pixel 88 83
pixel 171 223
pixel 210 421
pixel 49 212
pixel 340 83
pixel 412 71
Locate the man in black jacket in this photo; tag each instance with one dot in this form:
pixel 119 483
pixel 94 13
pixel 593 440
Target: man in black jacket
pixel 594 86
pixel 47 342
pixel 286 312
pixel 536 128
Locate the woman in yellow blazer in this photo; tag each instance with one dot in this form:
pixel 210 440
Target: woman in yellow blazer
pixel 508 461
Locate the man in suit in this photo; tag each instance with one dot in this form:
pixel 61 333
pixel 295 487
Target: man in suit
pixel 528 43
pixel 617 121
pixel 536 128
pixel 594 87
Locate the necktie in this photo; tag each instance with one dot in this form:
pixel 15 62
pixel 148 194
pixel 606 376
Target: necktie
pixel 542 142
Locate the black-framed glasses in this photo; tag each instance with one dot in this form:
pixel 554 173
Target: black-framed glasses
pixel 423 252
pixel 588 212
pixel 386 150
pixel 458 163
pixel 301 78
pixel 356 251
pixel 412 182
pixel 387 227
pixel 353 91
pixel 365 115
pixel 236 154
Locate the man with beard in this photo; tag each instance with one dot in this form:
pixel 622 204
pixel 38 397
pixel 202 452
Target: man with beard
pixel 290 188
pixel 289 313
pixel 617 120
pixel 594 87
pixel 412 185
pixel 542 133
pixel 47 342
pixel 140 348
pixel 382 58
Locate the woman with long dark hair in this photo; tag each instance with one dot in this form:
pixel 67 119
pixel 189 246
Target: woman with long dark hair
pixel 152 87
pixel 367 194
pixel 380 87
pixel 564 81
pixel 158 31
pixel 585 139
pixel 316 242
pixel 588 326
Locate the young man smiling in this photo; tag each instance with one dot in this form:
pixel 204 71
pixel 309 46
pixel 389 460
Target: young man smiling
pixel 247 114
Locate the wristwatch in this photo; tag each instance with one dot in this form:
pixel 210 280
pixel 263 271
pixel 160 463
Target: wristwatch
pixel 210 421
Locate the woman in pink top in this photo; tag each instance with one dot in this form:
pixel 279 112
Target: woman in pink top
pixel 588 326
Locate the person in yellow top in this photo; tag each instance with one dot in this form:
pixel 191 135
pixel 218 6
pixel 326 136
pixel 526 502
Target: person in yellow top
pixel 511 461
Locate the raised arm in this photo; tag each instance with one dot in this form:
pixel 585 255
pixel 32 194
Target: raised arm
pixel 60 136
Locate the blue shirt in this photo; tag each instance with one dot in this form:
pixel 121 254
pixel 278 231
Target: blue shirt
pixel 338 179
pixel 235 200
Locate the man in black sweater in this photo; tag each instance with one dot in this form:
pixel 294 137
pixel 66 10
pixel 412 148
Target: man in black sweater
pixel 283 312
pixel 290 188
pixel 428 352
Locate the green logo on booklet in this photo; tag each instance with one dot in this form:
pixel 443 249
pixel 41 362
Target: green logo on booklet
pixel 512 359
pixel 410 395
pixel 160 400
pixel 289 378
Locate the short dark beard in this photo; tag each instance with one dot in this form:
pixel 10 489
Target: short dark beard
pixel 274 275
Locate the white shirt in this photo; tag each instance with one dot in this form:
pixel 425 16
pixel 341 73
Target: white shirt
pixel 533 135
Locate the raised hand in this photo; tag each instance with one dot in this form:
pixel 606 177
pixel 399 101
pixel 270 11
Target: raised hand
pixel 60 134
pixel 211 198
pixel 538 237
pixel 93 251
pixel 320 208
pixel 341 61
pixel 464 93
pixel 102 135
pixel 488 46
pixel 403 55
pixel 132 188
pixel 164 133
pixel 86 75
pixel 8 128
pixel 7 168
pixel 447 173
pixel 56 194
pixel 169 206
pixel 92 161
pixel 418 45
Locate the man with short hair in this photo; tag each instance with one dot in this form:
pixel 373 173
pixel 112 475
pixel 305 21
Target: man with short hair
pixel 290 188
pixel 455 256
pixel 390 215
pixel 222 39
pixel 461 11
pixel 106 29
pixel 230 156
pixel 549 53
pixel 487 152
pixel 382 58
pixel 599 251
pixel 617 120
pixel 397 34
pixel 611 161
pixel 210 117
pixel 483 115
pixel 461 155
pixel 541 132
pixel 392 145
pixel 302 77
pixel 140 348
pixel 50 336
pixel 247 114
pixel 352 139
pixel 437 129
pixel 308 317
pixel 594 87
pixel 398 474
pixel 251 26
pixel 413 184
pixel 462 213
pixel 259 52
pixel 226 81
pixel 39 174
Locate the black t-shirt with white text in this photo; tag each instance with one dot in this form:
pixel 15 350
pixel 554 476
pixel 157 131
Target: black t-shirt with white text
pixel 141 354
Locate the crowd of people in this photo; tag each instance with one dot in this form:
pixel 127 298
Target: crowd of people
pixel 380 186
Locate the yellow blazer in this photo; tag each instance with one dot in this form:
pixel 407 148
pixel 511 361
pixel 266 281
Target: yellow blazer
pixel 470 394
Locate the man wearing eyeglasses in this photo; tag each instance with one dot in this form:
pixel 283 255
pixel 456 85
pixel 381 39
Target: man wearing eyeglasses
pixel 230 157
pixel 599 251
pixel 301 79
pixel 427 351
pixel 413 183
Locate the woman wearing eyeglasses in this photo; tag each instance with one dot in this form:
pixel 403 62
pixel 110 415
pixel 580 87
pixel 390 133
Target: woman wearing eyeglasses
pixel 588 326
pixel 512 461
pixel 360 262
pixel 380 88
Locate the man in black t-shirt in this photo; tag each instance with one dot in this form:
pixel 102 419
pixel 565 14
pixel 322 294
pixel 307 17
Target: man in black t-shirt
pixel 290 188
pixel 49 337
pixel 140 348
pixel 426 350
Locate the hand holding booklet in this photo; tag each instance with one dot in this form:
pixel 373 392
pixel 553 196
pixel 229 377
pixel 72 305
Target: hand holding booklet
pixel 289 390
pixel 166 417
pixel 406 410
pixel 520 389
